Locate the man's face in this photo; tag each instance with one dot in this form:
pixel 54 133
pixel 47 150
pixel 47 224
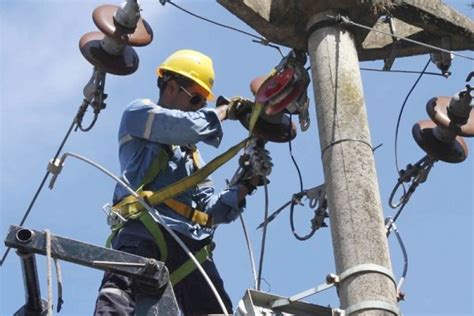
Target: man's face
pixel 191 98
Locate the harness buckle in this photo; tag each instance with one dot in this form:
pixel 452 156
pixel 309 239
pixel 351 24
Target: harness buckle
pixel 113 218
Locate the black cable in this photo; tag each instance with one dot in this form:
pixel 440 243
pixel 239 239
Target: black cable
pixel 214 22
pixel 395 217
pixel 91 125
pixel 412 188
pixel 346 20
pixel 401 71
pixel 292 224
pixel 260 40
pixel 293 201
pixel 41 186
pixel 401 112
pixel 405 71
pixel 292 157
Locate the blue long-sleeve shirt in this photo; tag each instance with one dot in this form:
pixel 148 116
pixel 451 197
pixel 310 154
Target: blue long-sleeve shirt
pixel 145 130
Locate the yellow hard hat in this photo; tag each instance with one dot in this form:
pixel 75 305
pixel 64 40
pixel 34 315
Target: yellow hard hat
pixel 192 65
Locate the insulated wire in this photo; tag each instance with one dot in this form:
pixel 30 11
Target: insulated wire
pixel 393 227
pixel 156 216
pixel 292 157
pixel 346 20
pixel 260 40
pixel 292 224
pixel 214 22
pixel 405 257
pixel 403 71
pixel 401 112
pixel 396 217
pixel 264 235
pixel 25 216
pixel 249 248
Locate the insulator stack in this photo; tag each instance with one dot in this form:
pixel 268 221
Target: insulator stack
pixel 121 28
pixel 281 93
pixel 452 118
pixel 276 127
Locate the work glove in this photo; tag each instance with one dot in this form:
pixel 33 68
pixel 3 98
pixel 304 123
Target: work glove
pixel 237 107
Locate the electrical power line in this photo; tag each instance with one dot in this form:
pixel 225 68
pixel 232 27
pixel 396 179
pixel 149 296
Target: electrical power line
pixel 257 39
pixel 346 20
pixel 401 112
pixel 403 71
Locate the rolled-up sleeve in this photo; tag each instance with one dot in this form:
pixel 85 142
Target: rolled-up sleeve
pixel 149 121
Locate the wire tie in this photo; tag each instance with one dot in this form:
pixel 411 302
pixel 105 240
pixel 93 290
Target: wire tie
pixel 348 140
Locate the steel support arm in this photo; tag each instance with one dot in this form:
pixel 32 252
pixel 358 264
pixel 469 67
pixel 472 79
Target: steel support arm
pixel 146 269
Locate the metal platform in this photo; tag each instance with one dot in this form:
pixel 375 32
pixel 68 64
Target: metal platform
pixel 260 303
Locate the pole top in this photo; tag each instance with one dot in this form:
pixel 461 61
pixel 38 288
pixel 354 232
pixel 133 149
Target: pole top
pixel 285 22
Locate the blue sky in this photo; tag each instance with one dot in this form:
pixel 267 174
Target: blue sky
pixel 41 79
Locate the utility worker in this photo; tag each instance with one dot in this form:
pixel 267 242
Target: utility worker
pixel 173 126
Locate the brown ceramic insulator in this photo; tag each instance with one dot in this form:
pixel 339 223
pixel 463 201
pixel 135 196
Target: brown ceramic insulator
pixel 275 85
pixel 277 131
pixel 256 83
pixel 122 65
pixel 103 17
pixel 278 104
pixel 275 128
pixel 437 109
pixel 452 152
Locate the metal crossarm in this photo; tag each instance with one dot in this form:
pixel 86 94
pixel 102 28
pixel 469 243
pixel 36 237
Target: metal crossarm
pixel 147 271
pixel 28 240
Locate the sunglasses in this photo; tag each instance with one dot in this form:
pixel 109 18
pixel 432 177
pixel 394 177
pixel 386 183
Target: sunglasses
pixel 194 98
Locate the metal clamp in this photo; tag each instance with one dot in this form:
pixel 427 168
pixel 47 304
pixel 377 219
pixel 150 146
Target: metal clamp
pixel 416 174
pixel 367 267
pixel 334 280
pixel 113 218
pixel 365 305
pixel 299 296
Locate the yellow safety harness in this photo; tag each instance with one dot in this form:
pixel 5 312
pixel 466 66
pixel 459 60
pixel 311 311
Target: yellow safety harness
pixel 130 208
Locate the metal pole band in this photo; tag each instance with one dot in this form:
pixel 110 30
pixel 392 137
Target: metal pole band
pixel 365 305
pixel 327 22
pixel 367 267
pixel 319 25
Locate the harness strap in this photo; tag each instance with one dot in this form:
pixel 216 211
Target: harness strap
pixel 194 215
pixel 188 267
pixel 159 163
pixel 129 204
pixel 157 234
pixel 151 226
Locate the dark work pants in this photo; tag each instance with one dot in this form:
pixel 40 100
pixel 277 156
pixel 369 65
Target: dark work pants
pixel 193 294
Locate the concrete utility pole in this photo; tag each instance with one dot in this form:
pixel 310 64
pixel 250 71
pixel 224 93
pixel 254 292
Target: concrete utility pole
pixel 358 232
pixel 360 245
